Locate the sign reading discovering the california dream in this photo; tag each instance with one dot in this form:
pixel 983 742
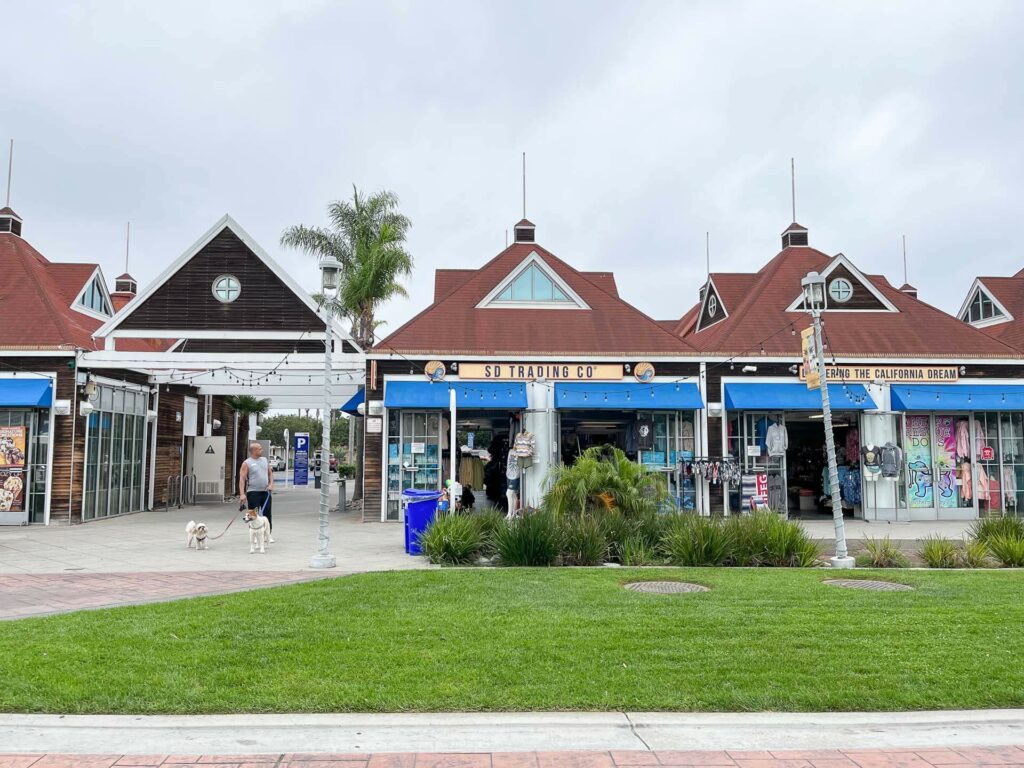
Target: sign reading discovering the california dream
pixel 892 373
pixel 533 371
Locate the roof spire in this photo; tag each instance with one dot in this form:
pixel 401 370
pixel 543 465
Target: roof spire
pixel 127 244
pixel 10 166
pixel 792 182
pixel 524 185
pixel 905 281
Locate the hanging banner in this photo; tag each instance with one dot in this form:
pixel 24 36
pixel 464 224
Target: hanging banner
pixel 300 463
pixel 533 371
pixel 919 462
pixel 901 374
pixel 809 369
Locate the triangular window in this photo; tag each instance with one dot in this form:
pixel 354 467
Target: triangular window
pixel 532 284
pixel 95 298
pixel 981 308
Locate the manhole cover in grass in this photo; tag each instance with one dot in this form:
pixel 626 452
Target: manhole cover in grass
pixel 878 586
pixel 665 587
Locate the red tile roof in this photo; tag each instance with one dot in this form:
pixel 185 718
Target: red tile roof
pixel 757 303
pixel 1008 291
pixel 36 296
pixel 454 325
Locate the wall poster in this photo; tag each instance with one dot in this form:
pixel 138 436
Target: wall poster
pixel 945 458
pixel 12 468
pixel 919 462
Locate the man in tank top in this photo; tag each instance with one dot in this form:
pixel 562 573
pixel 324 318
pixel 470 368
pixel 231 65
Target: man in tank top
pixel 256 482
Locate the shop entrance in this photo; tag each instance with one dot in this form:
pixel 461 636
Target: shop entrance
pixel 788 450
pixel 660 440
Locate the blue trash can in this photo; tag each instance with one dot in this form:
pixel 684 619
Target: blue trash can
pixel 420 508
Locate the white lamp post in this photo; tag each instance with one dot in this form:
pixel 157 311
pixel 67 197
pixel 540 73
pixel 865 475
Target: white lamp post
pixel 330 269
pixel 814 301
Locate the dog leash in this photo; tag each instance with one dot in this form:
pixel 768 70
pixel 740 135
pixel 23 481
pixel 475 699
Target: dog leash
pixel 262 510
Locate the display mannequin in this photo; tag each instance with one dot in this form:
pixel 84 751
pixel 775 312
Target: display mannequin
pixel 512 480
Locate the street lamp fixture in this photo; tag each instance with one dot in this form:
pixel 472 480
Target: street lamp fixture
pixel 330 269
pixel 813 286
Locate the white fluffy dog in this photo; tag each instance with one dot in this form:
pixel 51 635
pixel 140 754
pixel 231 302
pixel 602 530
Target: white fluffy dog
pixel 196 533
pixel 259 531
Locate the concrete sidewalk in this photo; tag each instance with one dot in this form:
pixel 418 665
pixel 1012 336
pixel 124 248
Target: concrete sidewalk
pixel 513 732
pixel 817 758
pixel 149 542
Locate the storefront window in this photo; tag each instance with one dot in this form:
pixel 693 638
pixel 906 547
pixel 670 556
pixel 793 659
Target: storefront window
pixel 414 455
pixel 115 454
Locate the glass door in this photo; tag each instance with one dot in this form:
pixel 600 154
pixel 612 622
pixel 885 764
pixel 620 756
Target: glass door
pixel 954 491
pixel 413 456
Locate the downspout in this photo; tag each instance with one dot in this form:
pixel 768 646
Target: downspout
pixel 152 443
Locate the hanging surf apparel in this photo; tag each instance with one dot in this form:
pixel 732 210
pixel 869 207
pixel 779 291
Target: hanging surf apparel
pixel 870 461
pixel 645 435
pixel 776 440
pixel 890 459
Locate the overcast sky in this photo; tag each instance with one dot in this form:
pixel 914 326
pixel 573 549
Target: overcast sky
pixel 644 124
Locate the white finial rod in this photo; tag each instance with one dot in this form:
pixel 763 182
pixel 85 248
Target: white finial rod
pixel 707 252
pixel 127 245
pixel 905 281
pixel 792 181
pixel 524 185
pixel 10 166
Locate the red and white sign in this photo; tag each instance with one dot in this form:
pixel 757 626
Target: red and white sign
pixel 762 483
pixel 988 453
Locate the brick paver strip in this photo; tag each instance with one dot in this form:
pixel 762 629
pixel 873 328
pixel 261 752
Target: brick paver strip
pixel 24 595
pixel 824 758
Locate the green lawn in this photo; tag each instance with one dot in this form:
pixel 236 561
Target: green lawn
pixel 490 639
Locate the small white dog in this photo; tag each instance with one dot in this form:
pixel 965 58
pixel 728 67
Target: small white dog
pixel 196 533
pixel 259 531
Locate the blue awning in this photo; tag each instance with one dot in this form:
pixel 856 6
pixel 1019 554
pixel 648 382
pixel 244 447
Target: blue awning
pixel 670 396
pixel 957 397
pixel 26 393
pixel 770 396
pixel 352 406
pixel 471 394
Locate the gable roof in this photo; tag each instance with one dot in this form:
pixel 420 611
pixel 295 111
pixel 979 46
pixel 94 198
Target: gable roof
pixel 454 324
pixel 224 224
pixel 763 316
pixel 36 299
pixel 1008 295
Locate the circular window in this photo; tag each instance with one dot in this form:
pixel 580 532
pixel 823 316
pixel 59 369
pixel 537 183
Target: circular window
pixel 226 288
pixel 840 290
pixel 712 306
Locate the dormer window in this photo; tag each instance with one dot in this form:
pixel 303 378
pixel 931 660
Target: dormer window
pixel 981 308
pixel 533 284
pixel 95 298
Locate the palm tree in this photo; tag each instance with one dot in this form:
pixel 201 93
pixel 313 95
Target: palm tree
pixel 367 235
pixel 245 406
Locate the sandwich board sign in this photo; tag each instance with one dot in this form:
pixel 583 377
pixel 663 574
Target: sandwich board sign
pixel 300 462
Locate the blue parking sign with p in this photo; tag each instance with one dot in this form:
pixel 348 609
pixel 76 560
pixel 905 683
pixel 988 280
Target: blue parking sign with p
pixel 301 465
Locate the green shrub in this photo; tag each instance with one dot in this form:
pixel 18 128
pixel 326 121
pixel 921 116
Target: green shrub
pixel 602 478
pixel 583 541
pixel 692 540
pixel 974 554
pixel 939 552
pixel 881 553
pixel 487 520
pixel 451 540
pixel 650 527
pixel 346 470
pixel 615 529
pixel 1007 550
pixel 532 539
pixel 1007 527
pixel 765 539
pixel 637 551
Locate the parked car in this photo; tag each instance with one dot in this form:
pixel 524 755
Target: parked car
pixel 276 463
pixel 334 463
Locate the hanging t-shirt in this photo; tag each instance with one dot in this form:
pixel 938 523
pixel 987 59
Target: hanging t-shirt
pixel 776 440
pixel 645 435
pixel 890 459
pixel 523 445
pixel 761 432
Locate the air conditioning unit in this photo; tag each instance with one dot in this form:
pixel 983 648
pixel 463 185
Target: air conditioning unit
pixel 208 466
